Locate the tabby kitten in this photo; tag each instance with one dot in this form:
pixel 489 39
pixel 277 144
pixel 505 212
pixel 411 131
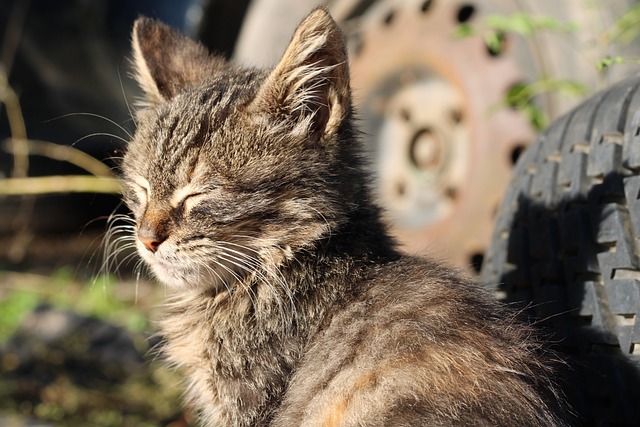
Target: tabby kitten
pixel 289 304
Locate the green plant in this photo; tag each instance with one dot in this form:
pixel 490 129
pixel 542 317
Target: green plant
pixel 99 298
pixel 13 308
pixel 626 28
pixel 521 96
pixel 494 30
pixel 148 397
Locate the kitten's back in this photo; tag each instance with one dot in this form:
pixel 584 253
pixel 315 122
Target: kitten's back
pixel 420 346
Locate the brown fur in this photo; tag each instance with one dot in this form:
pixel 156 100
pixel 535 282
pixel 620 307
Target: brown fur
pixel 289 304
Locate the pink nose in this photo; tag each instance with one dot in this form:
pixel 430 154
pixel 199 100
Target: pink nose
pixel 153 229
pixel 151 236
pixel 150 242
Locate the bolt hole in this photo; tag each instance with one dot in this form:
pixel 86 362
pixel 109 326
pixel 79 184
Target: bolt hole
pixel 388 19
pixel 405 114
pixel 451 193
pixel 456 116
pixel 497 44
pixel 465 13
pixel 425 6
pixel 516 153
pixel 357 45
pixel 476 260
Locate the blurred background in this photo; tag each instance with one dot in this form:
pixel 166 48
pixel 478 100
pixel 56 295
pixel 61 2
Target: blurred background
pixel 449 92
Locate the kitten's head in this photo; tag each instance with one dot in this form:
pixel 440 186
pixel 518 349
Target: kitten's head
pixel 231 169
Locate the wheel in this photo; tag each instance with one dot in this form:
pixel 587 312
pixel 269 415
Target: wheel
pixel 441 159
pixel 428 101
pixel 567 246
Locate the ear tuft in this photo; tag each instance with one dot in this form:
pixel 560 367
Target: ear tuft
pixel 310 84
pixel 165 61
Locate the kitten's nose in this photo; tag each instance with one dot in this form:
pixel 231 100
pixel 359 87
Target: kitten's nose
pixel 151 243
pixel 150 238
pixel 153 229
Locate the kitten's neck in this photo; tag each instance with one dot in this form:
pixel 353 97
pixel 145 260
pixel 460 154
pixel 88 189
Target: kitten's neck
pixel 237 347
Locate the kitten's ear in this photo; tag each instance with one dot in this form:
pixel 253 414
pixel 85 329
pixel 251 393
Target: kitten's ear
pixel 165 61
pixel 310 84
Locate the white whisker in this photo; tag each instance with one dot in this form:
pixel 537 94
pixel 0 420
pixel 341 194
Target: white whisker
pixel 238 279
pixel 118 246
pixel 119 126
pixel 126 101
pixel 91 135
pixel 259 270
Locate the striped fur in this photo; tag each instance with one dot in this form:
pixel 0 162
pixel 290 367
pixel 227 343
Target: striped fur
pixel 288 303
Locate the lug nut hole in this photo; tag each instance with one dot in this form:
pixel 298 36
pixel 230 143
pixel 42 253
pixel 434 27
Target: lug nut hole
pixel 465 13
pixel 425 6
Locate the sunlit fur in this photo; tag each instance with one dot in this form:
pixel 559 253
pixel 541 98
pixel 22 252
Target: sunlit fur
pixel 289 305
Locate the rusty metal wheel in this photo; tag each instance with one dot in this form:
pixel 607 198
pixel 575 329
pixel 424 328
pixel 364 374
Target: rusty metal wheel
pixel 431 104
pixel 442 146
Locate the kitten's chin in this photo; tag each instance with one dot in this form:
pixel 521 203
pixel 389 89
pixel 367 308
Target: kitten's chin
pixel 180 274
pixel 174 275
pixel 179 277
pixel 169 275
pixel 183 280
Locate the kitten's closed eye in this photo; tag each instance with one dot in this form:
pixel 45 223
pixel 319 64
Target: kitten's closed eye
pixel 186 198
pixel 190 201
pixel 139 192
pixel 183 199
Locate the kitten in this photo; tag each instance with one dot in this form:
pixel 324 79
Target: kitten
pixel 289 304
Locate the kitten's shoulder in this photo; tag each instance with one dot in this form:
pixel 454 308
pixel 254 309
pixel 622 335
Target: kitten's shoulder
pixel 420 345
pixel 422 281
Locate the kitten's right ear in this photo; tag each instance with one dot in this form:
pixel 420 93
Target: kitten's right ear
pixel 165 61
pixel 309 87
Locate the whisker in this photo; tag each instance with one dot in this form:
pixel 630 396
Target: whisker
pixel 126 101
pixel 248 289
pixel 259 271
pixel 118 239
pixel 277 277
pixel 91 135
pixel 96 116
pixel 127 259
pixel 211 270
pixel 225 256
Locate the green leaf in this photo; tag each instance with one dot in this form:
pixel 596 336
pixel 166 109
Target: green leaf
pixel 13 309
pixel 464 30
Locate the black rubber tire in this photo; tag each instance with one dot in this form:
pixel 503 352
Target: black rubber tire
pixel 567 246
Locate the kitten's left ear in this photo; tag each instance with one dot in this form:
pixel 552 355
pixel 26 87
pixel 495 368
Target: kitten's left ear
pixel 165 61
pixel 310 84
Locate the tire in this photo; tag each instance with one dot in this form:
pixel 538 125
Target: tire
pixel 567 246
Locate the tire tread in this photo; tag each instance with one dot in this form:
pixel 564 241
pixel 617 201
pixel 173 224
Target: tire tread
pixel 567 244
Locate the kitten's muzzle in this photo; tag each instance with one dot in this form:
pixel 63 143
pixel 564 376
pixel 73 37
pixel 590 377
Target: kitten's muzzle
pixel 150 242
pixel 152 232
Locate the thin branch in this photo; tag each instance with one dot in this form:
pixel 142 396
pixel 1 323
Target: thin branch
pixel 59 184
pixel 64 154
pixel 12 34
pixel 16 124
